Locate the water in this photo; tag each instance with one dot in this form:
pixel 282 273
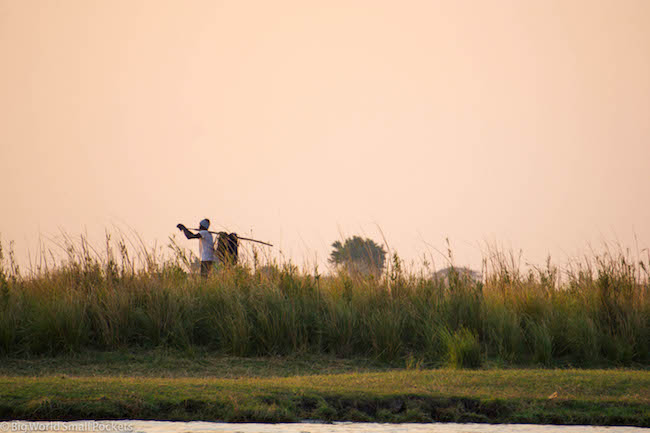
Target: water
pixel 343 427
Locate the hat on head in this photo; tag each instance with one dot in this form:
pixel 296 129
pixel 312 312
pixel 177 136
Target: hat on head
pixel 205 223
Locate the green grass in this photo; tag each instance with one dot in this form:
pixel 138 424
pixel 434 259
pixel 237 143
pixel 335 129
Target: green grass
pixel 165 363
pixel 604 397
pixel 101 336
pixel 598 315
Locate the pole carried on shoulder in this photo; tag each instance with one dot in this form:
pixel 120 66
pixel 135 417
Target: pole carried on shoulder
pixel 238 237
pixel 254 240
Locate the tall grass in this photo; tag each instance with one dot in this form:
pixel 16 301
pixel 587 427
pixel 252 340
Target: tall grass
pixel 596 313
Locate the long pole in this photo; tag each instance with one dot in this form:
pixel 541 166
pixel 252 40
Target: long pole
pixel 255 240
pixel 238 237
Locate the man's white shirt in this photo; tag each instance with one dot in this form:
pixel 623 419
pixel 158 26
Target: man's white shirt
pixel 206 246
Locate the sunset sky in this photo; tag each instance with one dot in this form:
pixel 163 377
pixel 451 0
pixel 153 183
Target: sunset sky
pixel 525 123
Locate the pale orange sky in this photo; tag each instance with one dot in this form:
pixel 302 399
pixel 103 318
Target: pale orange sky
pixel 524 122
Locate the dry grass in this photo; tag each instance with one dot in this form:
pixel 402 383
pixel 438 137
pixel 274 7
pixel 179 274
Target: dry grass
pixel 597 313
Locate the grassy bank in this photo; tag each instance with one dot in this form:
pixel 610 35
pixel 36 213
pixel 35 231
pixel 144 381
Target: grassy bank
pixel 272 390
pixel 164 363
pixel 595 313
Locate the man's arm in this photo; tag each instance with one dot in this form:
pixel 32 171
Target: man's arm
pixel 188 234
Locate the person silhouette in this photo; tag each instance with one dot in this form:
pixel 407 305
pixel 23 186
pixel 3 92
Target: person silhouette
pixel 206 245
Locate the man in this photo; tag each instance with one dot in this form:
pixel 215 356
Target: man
pixel 206 245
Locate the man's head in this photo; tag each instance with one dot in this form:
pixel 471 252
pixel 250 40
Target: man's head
pixel 204 224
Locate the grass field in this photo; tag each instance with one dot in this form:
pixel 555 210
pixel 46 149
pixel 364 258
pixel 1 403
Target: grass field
pixel 174 387
pixel 101 335
pixel 595 313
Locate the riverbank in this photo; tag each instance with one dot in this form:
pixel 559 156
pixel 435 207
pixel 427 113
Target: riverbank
pixel 216 388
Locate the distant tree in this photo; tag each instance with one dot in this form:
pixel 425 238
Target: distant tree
pixel 359 255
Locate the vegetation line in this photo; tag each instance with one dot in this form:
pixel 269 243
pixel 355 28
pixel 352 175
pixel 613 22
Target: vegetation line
pixel 598 314
pixel 611 397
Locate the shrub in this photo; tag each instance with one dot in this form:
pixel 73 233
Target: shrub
pixel 463 349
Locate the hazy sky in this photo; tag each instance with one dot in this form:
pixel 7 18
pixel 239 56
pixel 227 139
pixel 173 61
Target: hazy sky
pixel 521 122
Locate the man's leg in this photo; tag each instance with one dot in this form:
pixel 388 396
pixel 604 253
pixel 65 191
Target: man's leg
pixel 205 269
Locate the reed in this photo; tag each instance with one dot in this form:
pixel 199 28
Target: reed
pixel 595 312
